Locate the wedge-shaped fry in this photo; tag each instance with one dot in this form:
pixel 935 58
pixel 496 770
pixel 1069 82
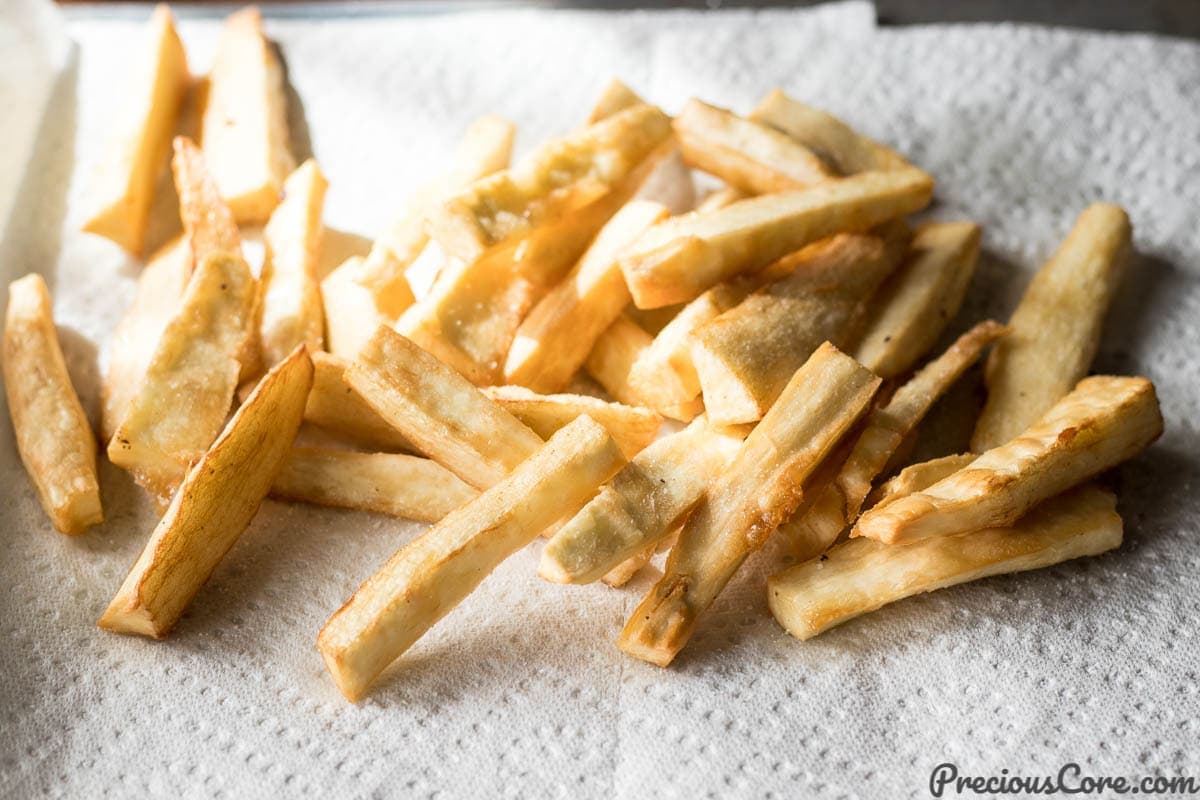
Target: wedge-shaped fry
pixel 336 407
pixel 292 311
pixel 1056 328
pixel 427 578
pixel 914 305
pixel 244 129
pixel 632 427
pixel 678 259
pixel 123 187
pixel 755 158
pixel 351 315
pixel 184 398
pixel 560 177
pixel 615 98
pixel 1102 422
pixel 436 409
pixel 554 340
pixel 758 491
pixel 747 355
pixel 214 504
pixel 862 575
pixel 918 477
pixel 390 483
pixel 838 145
pixel 208 224
pixel 56 443
pixel 645 502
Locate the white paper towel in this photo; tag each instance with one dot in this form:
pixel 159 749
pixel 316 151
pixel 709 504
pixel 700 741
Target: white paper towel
pixel 521 691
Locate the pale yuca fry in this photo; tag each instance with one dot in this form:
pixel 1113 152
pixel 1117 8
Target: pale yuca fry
pixel 863 575
pixel 1056 327
pixel 747 355
pixel 185 395
pixel 914 305
pixel 436 409
pixel 208 224
pixel 614 98
pixel 834 505
pixel 650 497
pixel 552 343
pixel 1105 420
pixel 214 504
pixel 351 315
pixel 560 177
pixel 292 311
pixel 123 188
pixel 336 407
pixel 428 577
pixel 56 443
pixel 244 130
pixel 839 145
pixel 758 491
pixel 678 259
pixel 389 483
pixel 755 158
pixel 918 477
pixel 632 427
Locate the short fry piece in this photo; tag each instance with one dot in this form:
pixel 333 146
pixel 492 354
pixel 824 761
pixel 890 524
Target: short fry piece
pixel 918 477
pixel 427 578
pixel 214 504
pixel 208 224
pixel 56 443
pixel 1102 422
pixel 335 406
pixel 351 315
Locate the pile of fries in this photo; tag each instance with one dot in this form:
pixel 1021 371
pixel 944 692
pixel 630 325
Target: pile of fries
pixel 601 360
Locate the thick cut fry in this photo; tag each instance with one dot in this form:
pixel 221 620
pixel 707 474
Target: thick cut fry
pixel 351 315
pixel 615 98
pixel 918 477
pixel 1056 328
pixel 214 504
pixel 750 156
pixel 436 409
pixel 862 575
pixel 208 224
pixel 184 398
pixel 746 356
pixel 647 500
pixel 244 129
pixel 124 183
pixel 914 305
pixel 554 340
pixel 678 259
pixel 632 427
pixel 390 483
pixel 427 578
pixel 336 407
pixel 758 491
pixel 560 177
pixel 56 443
pixel 1102 422
pixel 292 311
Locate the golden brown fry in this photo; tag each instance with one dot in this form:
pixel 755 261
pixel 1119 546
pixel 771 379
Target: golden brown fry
pixel 351 314
pixel 918 477
pixel 1102 422
pixel 1056 328
pixel 334 406
pixel 56 443
pixel 615 98
pixel 428 577
pixel 862 575
pixel 214 504
pixel 752 497
pixel 208 224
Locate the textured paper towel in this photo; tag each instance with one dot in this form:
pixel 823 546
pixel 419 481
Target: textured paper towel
pixel 521 692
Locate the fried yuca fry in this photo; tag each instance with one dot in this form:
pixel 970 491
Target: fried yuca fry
pixel 208 224
pixel 436 409
pixel 862 575
pixel 614 98
pixel 185 395
pixel 648 498
pixel 752 157
pixel 632 427
pixel 552 343
pixel 336 407
pixel 214 504
pixel 123 188
pixel 678 259
pixel 428 577
pixel 757 492
pixel 914 305
pixel 918 477
pixel 614 363
pixel 53 437
pixel 1056 327
pixel 1102 422
pixel 351 315
pixel 389 483
pixel 244 129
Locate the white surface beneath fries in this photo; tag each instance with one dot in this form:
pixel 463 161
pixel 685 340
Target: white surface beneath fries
pixel 521 691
